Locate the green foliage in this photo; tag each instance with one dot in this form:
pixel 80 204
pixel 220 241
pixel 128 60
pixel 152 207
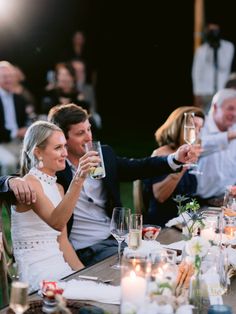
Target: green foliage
pixel 190 212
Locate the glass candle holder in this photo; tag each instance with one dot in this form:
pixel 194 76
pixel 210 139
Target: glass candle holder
pixel 230 226
pixel 213 226
pixel 134 274
pixel 220 309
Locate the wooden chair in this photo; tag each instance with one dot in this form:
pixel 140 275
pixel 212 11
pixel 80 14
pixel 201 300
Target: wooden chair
pixel 138 197
pixel 6 254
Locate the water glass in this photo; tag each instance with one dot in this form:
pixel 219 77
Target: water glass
pixel 99 171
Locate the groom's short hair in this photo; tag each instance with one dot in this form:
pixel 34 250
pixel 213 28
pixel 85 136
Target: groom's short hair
pixel 66 115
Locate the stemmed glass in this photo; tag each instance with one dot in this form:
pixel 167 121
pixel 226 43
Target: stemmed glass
pixel 19 297
pixel 119 228
pixel 190 136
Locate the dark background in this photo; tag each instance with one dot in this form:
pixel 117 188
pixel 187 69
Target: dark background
pixel 142 50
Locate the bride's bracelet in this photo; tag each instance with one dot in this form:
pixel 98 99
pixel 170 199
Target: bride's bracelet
pixel 79 175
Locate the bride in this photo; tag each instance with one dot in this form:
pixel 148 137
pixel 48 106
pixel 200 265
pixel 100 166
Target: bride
pixel 41 247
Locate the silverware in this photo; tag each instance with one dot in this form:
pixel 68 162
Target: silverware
pixel 93 278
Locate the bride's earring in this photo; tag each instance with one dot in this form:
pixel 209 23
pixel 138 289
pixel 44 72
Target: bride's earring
pixel 40 163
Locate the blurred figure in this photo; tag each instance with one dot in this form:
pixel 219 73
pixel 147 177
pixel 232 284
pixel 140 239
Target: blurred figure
pixel 86 91
pixel 13 120
pixel 218 162
pixel 212 64
pixel 161 190
pixel 231 82
pixel 78 43
pixel 64 90
pixel 20 89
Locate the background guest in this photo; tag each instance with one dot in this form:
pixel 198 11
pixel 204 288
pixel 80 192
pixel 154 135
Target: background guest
pixel 64 91
pixel 211 67
pixel 159 191
pixel 13 120
pixel 218 162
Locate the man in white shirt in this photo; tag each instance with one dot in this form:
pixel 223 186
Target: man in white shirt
pixel 211 66
pixel 13 120
pixel 218 136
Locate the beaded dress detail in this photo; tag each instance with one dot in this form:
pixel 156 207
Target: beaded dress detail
pixel 35 244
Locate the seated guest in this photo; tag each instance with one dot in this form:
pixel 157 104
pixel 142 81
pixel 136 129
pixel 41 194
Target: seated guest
pixel 40 243
pixel 161 189
pixel 219 145
pixel 13 120
pixel 86 91
pixel 20 89
pixel 64 91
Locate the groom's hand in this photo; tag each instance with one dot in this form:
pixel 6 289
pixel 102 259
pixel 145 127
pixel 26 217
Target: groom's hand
pixel 22 190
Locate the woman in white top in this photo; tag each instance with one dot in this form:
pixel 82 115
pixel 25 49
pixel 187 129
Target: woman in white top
pixel 41 247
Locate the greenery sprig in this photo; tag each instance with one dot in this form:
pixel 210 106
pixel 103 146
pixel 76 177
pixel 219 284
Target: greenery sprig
pixel 191 209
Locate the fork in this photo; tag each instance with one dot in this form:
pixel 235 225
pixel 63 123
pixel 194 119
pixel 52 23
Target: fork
pixel 93 278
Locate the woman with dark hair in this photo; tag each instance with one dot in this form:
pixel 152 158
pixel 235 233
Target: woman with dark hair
pixel 64 91
pixel 161 190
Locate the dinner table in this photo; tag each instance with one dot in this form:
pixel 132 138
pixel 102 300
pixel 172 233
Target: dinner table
pixel 103 271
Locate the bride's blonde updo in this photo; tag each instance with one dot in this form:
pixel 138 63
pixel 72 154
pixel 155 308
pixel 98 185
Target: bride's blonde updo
pixel 36 136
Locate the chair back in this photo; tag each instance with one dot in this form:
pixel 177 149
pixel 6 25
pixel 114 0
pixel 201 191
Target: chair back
pixel 138 196
pixel 6 252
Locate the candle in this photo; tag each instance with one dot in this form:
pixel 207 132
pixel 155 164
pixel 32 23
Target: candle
pixel 133 289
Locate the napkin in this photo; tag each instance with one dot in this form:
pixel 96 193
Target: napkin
pixel 90 290
pixel 231 256
pixel 178 220
pixel 146 248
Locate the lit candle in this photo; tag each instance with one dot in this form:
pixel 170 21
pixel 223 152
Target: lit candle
pixel 133 289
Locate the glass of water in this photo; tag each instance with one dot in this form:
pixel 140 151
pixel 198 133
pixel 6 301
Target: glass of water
pixel 99 171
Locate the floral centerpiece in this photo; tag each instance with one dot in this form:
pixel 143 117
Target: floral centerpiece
pixel 196 249
pixel 192 218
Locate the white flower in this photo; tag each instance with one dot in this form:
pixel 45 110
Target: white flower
pixel 197 246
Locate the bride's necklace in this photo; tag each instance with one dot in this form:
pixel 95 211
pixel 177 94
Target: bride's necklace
pixel 43 176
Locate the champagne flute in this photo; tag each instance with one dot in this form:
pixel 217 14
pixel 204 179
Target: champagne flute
pixel 190 136
pixel 119 228
pixel 19 297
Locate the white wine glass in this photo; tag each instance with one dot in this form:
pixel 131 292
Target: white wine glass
pixel 190 137
pixel 19 297
pixel 119 228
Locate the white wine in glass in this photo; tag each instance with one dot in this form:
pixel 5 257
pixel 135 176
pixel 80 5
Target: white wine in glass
pixel 190 137
pixel 189 128
pixel 19 297
pixel 119 228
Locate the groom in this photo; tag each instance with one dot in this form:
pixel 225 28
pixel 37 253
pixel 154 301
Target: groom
pixel 89 226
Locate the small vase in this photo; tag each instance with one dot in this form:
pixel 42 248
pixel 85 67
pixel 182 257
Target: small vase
pixel 186 234
pixel 195 292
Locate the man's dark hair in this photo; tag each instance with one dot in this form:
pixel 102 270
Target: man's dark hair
pixel 66 115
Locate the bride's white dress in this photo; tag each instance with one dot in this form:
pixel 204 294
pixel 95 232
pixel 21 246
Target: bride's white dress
pixel 35 245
